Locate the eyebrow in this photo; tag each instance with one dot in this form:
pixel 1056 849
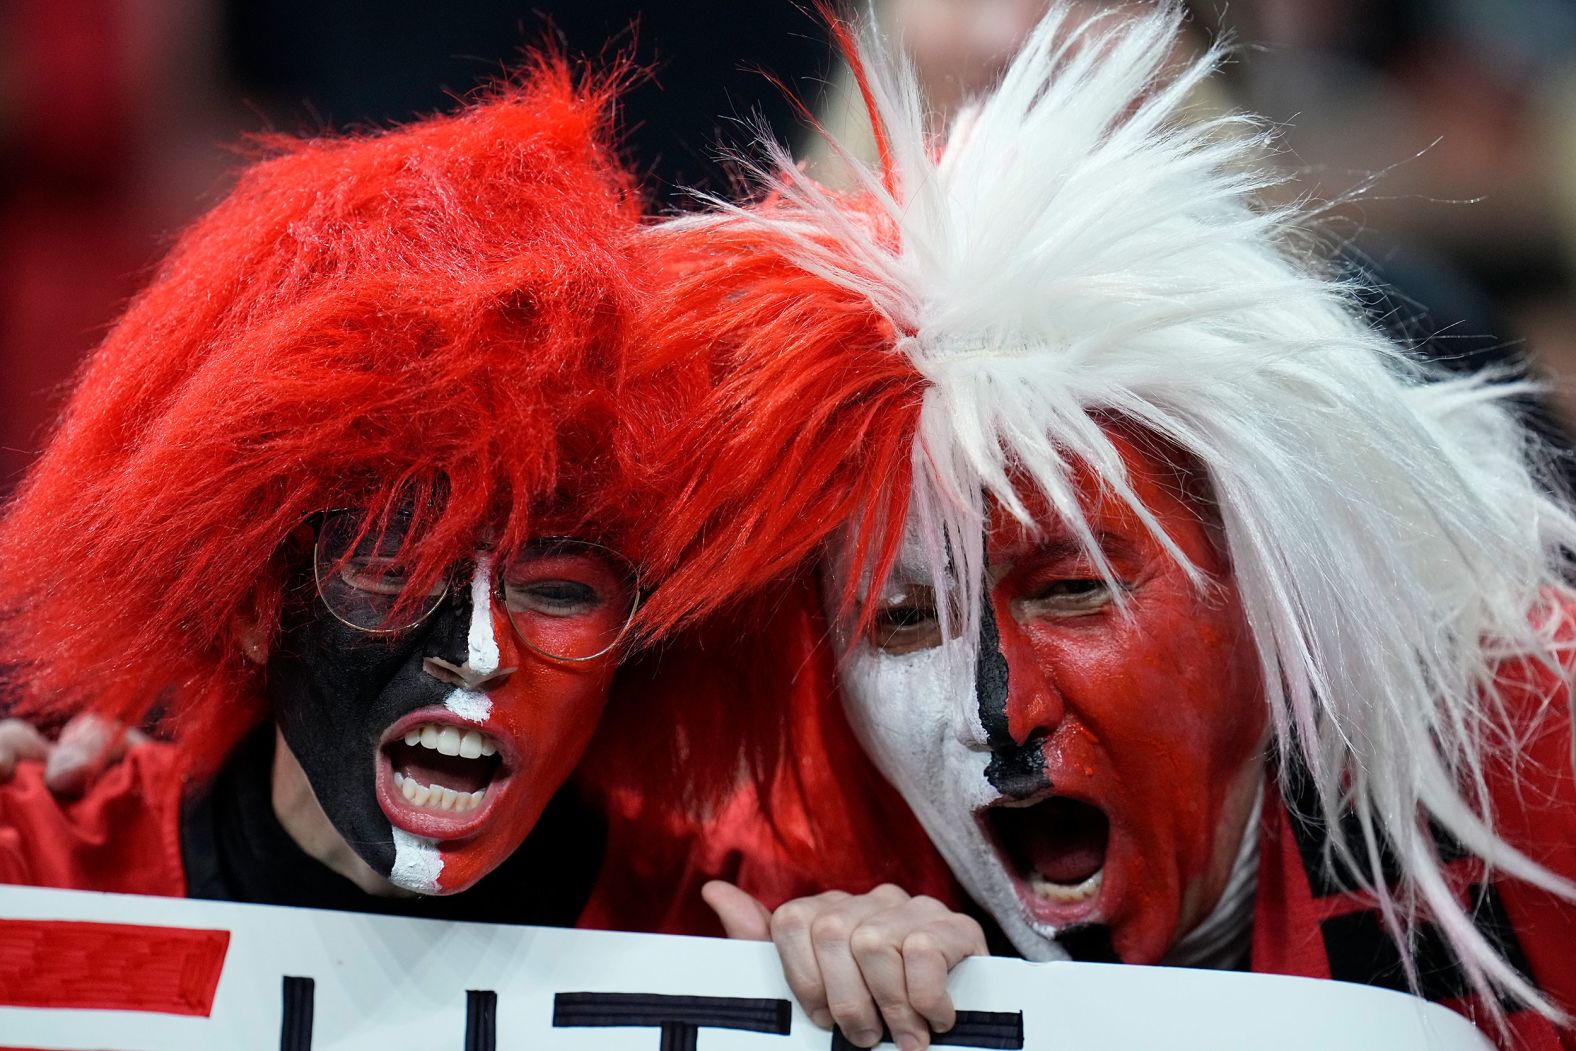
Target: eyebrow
pixel 1064 545
pixel 1055 545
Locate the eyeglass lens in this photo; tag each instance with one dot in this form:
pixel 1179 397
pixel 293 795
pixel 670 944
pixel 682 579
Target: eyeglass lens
pixel 567 598
pixel 363 573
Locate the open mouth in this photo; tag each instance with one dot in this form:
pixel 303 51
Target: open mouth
pixel 438 778
pixel 1056 850
pixel 443 767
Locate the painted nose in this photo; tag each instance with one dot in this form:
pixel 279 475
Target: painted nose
pixel 1035 707
pixel 482 680
pixel 480 670
pixel 1018 708
pixel 1016 703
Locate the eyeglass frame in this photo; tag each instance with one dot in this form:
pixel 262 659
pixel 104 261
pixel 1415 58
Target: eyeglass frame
pixel 317 518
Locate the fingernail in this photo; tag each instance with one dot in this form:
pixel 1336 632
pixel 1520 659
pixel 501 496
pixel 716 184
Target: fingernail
pixel 908 1042
pixel 822 1018
pixel 61 760
pixel 864 1037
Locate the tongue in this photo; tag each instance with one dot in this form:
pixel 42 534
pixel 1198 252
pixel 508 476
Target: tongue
pixel 1061 839
pixel 1068 860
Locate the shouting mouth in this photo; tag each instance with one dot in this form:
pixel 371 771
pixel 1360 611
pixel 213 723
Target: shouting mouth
pixel 439 779
pixel 1055 851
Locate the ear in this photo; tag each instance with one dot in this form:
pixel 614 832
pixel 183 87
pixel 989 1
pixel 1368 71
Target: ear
pixel 254 621
pixel 253 628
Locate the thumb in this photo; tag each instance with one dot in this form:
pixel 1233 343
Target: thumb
pixel 742 916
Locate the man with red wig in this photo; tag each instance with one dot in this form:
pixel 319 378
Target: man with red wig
pixel 1195 622
pixel 344 507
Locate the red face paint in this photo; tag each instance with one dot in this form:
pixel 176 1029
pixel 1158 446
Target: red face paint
pixel 1149 721
pixel 543 718
pixel 1090 759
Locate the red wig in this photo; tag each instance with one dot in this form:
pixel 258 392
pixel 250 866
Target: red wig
pixel 433 315
pixel 806 432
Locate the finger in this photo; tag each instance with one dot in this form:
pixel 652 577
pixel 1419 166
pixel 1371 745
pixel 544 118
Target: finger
pixel 877 948
pixel 68 773
pixel 742 916
pixel 91 733
pixel 848 998
pixel 19 740
pixel 790 928
pixel 929 954
pixel 87 744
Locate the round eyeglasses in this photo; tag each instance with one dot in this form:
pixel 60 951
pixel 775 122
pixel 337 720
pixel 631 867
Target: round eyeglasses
pixel 567 599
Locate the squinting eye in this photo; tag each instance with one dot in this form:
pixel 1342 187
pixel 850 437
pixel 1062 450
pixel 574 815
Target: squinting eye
pixel 373 576
pixel 555 598
pixel 1069 597
pixel 907 623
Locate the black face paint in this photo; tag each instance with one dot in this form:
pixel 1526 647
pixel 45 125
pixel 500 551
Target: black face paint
pixel 335 690
pixel 1089 943
pixel 1019 772
pixel 990 679
pixel 1015 770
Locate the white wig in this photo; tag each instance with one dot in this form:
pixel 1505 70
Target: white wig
pixel 1079 250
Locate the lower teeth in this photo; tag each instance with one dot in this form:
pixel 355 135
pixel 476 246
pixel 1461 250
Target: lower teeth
pixel 436 797
pixel 1065 893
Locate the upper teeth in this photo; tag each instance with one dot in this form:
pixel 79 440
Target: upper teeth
pixel 447 740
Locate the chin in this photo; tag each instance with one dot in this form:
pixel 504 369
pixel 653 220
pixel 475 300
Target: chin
pixel 432 869
pixel 462 870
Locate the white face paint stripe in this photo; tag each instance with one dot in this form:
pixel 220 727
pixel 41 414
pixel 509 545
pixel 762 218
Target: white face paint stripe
pixel 481 643
pixel 417 863
pixel 469 705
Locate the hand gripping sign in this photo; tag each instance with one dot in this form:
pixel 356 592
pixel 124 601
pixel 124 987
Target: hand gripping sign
pixel 106 972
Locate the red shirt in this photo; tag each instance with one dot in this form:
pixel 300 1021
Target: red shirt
pixel 123 835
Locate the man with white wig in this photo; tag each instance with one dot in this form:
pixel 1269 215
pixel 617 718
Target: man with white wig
pixel 1196 622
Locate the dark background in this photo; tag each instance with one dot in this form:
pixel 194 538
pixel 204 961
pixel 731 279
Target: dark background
pixel 117 119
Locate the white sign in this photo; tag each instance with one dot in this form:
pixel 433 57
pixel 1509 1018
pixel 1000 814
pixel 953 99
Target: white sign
pixel 109 972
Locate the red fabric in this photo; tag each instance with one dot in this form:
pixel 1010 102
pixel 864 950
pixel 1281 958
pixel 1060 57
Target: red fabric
pixel 1285 926
pixel 1536 811
pixel 123 835
pixel 1287 938
pixel 1533 792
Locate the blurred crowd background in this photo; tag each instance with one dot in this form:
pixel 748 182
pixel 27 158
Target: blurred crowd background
pixel 119 121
